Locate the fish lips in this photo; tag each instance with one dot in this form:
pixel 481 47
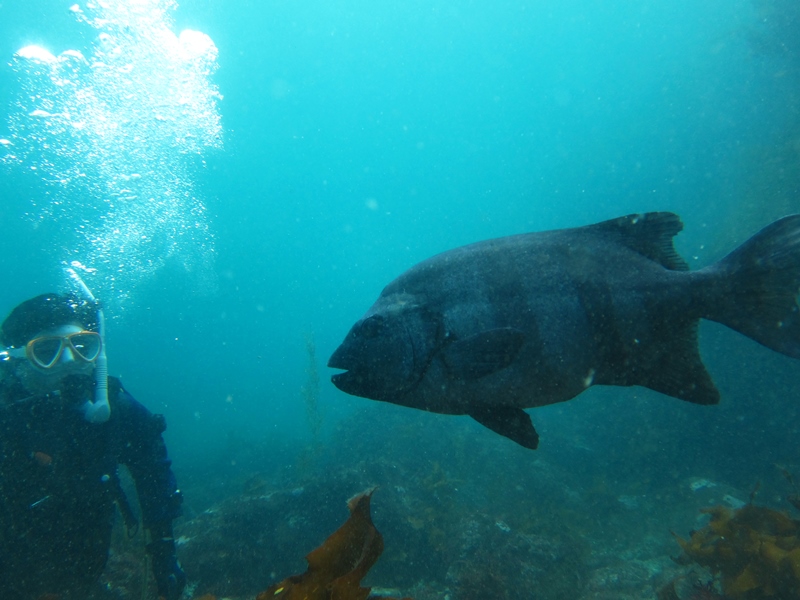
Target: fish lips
pixel 349 381
pixel 355 380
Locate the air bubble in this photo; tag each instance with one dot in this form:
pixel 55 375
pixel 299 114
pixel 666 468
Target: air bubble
pixel 143 105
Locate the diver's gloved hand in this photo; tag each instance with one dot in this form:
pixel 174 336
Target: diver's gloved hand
pixel 170 578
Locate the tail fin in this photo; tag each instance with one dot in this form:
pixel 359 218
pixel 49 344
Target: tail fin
pixel 761 289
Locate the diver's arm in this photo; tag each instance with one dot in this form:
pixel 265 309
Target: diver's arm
pixel 145 454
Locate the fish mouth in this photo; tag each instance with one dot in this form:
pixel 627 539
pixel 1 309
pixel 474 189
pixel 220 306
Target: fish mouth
pixel 355 379
pixel 338 360
pixel 353 383
pixel 348 381
pixel 343 381
pixel 358 379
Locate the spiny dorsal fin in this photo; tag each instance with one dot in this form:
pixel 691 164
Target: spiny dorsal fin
pixel 649 234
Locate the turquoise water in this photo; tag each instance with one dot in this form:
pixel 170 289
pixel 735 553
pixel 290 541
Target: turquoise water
pixel 359 138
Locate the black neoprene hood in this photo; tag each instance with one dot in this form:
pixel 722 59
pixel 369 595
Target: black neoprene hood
pixel 46 312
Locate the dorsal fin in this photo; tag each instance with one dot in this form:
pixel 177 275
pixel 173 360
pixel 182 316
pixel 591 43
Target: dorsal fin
pixel 649 234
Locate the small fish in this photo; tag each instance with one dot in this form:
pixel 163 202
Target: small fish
pixel 492 328
pixel 44 460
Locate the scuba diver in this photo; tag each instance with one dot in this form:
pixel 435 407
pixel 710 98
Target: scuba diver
pixel 65 426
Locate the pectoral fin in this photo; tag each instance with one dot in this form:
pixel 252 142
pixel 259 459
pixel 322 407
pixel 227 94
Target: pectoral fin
pixel 483 353
pixel 511 422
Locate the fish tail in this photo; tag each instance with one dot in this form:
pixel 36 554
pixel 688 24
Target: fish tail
pixel 758 291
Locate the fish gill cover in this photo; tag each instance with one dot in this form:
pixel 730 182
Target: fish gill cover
pixel 115 135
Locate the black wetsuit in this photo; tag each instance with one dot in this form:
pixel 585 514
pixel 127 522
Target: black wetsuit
pixel 58 485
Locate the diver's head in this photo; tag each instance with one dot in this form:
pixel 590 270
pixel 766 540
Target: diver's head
pixel 49 338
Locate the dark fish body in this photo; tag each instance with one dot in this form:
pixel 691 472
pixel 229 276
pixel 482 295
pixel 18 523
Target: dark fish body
pixel 502 325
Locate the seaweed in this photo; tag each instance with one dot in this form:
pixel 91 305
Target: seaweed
pixel 310 392
pixel 755 552
pixel 336 568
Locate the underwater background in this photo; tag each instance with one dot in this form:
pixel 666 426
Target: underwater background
pixel 337 144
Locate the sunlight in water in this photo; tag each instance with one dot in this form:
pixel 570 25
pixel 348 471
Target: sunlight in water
pixel 116 135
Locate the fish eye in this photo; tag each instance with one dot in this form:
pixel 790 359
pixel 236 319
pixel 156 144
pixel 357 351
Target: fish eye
pixel 372 327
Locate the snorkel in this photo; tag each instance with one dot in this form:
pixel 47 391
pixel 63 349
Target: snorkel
pixel 97 411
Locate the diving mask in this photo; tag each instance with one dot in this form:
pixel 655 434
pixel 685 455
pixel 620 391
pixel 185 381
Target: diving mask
pixel 45 351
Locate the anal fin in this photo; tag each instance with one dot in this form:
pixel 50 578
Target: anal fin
pixel 679 372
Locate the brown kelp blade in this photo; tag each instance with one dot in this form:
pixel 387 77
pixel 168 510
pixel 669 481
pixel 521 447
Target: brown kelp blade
pixel 336 568
pixel 753 550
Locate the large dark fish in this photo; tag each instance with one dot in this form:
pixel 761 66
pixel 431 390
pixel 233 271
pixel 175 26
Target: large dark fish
pixel 489 329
